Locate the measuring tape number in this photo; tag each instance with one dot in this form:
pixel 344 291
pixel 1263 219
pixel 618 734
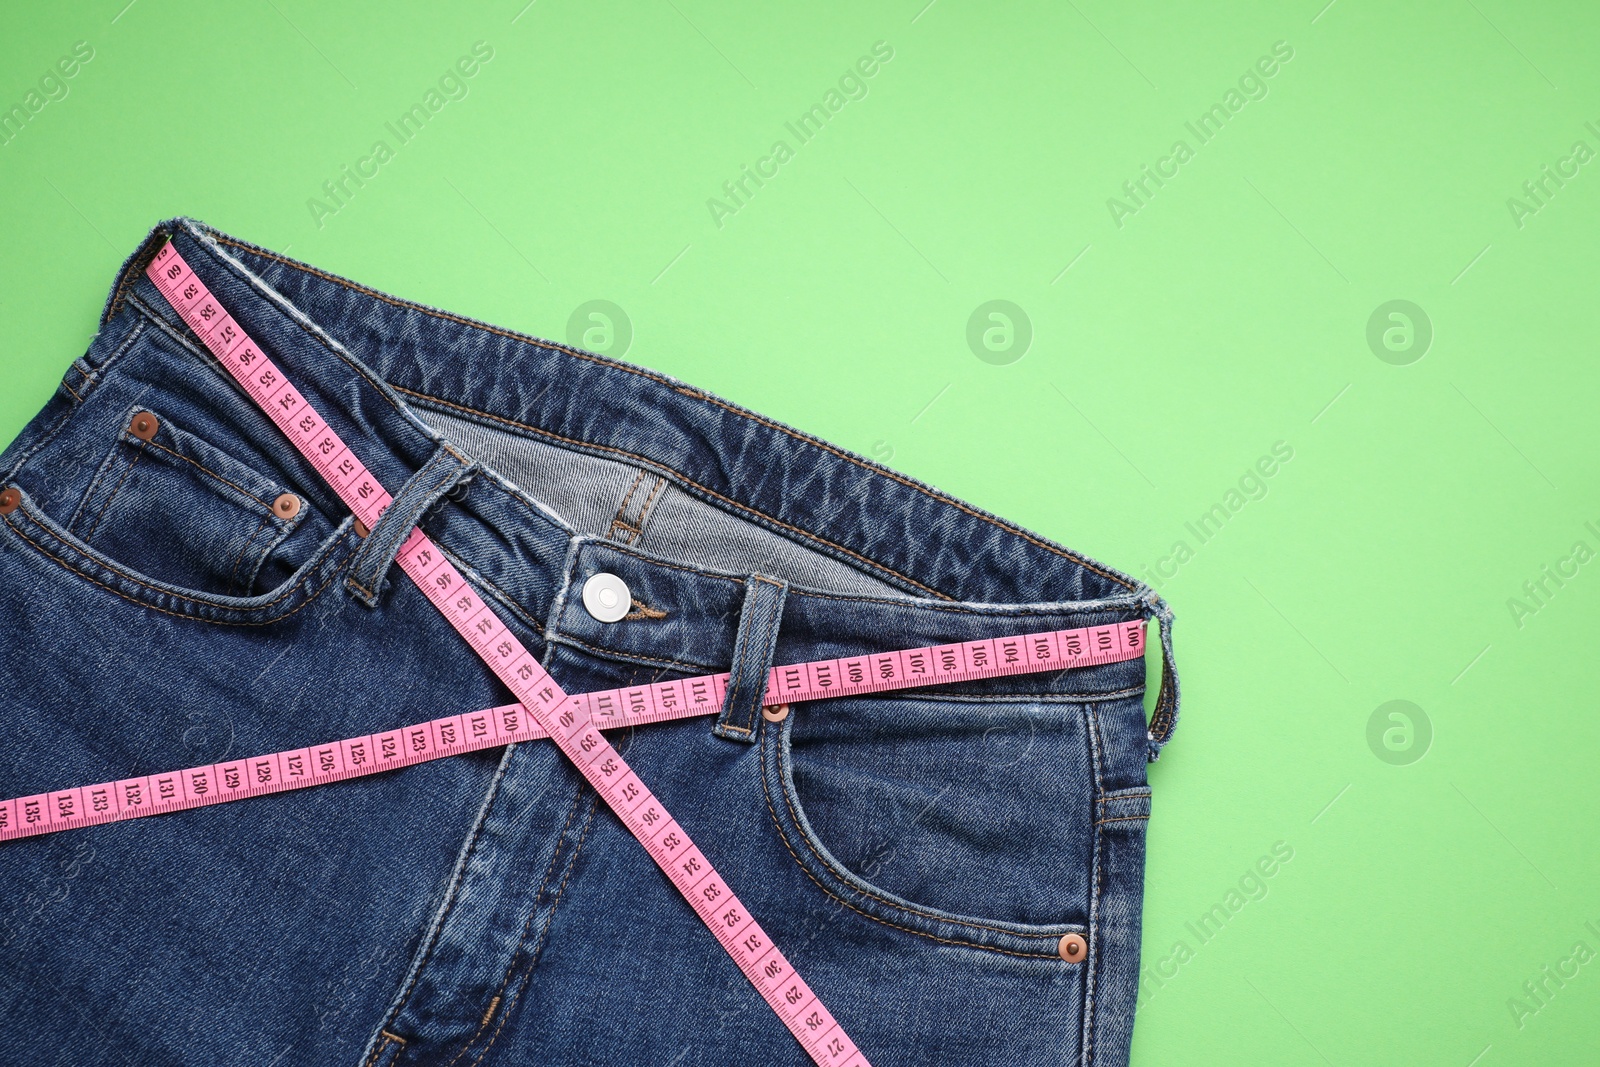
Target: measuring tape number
pixel 574 723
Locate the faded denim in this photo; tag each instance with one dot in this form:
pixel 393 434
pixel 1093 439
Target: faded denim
pixel 918 855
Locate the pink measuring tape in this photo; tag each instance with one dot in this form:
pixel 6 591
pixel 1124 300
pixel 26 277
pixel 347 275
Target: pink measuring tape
pixel 453 735
pixel 573 722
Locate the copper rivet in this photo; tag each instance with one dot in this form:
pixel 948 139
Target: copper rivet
pixel 9 499
pixel 775 712
pixel 143 426
pixel 361 528
pixel 1073 947
pixel 286 506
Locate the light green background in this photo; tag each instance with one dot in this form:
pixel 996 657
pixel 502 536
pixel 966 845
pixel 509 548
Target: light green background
pixel 1228 313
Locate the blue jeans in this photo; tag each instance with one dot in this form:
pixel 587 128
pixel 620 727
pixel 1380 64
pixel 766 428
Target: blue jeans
pixel 179 587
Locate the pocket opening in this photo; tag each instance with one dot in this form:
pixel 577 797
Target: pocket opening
pixel 168 504
pixel 961 917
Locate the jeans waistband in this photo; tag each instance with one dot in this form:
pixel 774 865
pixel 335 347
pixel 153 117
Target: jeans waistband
pixel 938 569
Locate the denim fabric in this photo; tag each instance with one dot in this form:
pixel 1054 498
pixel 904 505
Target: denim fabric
pixel 917 855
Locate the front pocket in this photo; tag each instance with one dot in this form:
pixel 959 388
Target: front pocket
pixel 171 505
pixel 966 820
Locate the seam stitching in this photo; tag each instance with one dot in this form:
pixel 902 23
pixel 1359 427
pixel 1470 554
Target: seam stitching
pixel 207 605
pixel 649 502
pixel 544 934
pixel 533 913
pixel 657 465
pixel 505 598
pixel 740 652
pixel 50 434
pixel 112 454
pixel 458 878
pixel 370 546
pixel 766 643
pixel 693 394
pixel 784 837
pixel 273 540
pixel 641 610
pixel 89 533
pixel 1113 797
pixel 233 572
pixel 208 470
pixel 129 277
pixel 676 665
pixel 182 615
pixel 1091 983
pixel 619 520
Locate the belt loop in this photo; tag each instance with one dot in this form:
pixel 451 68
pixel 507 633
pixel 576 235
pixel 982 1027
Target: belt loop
pixel 1164 719
pixel 445 470
pixel 752 657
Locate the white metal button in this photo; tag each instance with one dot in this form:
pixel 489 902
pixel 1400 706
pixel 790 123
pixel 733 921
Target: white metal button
pixel 606 597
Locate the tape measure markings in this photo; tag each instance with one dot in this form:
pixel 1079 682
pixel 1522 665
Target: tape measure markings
pixel 568 725
pixel 610 709
pixel 573 722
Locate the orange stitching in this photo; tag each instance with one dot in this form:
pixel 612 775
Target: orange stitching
pixel 129 577
pixel 1124 818
pixel 675 566
pixel 179 614
pixel 438 930
pixel 693 394
pixel 623 508
pixel 369 542
pixel 549 872
pixel 381 1049
pixel 672 664
pixel 208 470
pixel 69 389
pixel 909 484
pixel 88 494
pixel 176 333
pixel 1090 981
pixel 434 312
pixel 571 864
pixel 641 610
pixel 114 491
pixel 1113 797
pixel 1163 716
pixel 728 500
pixel 233 572
pixel 794 817
pixel 784 837
pixel 765 645
pixel 644 512
pixel 505 1016
pixel 737 676
pixel 135 268
pixel 652 463
pixel 116 301
pixel 620 521
pixel 1091 726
